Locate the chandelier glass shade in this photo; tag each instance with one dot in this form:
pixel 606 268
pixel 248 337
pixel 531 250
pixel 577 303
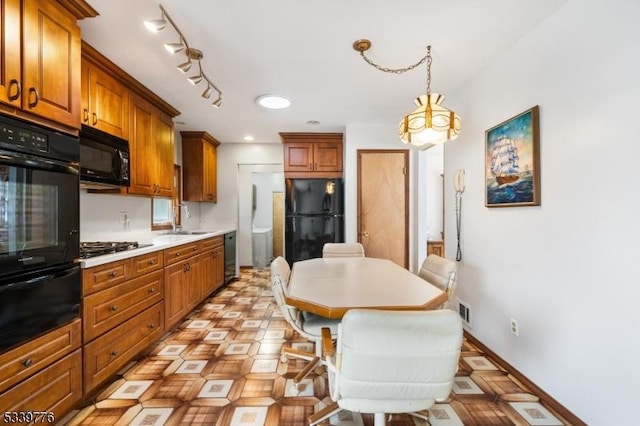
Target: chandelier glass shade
pixel 430 123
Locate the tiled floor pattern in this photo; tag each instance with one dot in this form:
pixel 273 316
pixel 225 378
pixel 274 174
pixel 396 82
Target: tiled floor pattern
pixel 221 367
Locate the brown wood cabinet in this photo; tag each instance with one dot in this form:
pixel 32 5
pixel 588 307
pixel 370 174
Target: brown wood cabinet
pixel 120 298
pixel 105 100
pixel 55 389
pixel 25 360
pixel 212 265
pixel 151 146
pixel 40 66
pixel 200 166
pixel 312 154
pixel 435 247
pixel 123 106
pixel 105 355
pixel 183 289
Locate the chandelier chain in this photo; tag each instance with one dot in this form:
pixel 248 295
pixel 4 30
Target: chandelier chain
pixel 393 70
pixel 429 60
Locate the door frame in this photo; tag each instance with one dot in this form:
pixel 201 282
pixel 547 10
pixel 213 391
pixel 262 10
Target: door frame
pixel 406 156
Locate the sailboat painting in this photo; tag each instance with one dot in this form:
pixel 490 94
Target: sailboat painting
pixel 512 154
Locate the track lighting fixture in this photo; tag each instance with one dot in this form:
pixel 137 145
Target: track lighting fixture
pixel 193 56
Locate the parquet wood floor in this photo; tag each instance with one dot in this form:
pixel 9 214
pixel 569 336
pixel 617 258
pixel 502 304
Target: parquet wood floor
pixel 221 367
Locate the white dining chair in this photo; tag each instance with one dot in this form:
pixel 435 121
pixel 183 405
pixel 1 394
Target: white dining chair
pixel 309 326
pixel 389 362
pixel 442 273
pixel 342 250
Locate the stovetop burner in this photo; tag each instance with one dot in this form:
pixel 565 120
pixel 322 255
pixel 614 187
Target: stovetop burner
pixel 98 248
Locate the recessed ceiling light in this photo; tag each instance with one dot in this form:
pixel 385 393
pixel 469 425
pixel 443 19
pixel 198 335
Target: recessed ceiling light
pixel 249 138
pixel 271 101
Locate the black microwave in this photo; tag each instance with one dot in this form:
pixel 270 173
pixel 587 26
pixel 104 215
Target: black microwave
pixel 104 159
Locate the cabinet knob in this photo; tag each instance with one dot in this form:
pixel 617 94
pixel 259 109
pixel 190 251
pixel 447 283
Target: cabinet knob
pixel 152 326
pixel 151 290
pixel 13 83
pixel 113 274
pixel 114 308
pixel 27 362
pixel 177 253
pixel 151 262
pixel 114 352
pixel 33 94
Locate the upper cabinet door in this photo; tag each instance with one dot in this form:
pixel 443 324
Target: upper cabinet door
pixel 10 52
pixel 105 101
pixel 51 62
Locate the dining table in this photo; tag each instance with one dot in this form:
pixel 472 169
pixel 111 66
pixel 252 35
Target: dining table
pixel 330 287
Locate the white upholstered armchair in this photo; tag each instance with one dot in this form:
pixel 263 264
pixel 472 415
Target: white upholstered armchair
pixel 442 273
pixel 392 362
pixel 342 250
pixel 309 326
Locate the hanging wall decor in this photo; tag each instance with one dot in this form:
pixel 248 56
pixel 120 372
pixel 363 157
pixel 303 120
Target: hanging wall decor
pixel 512 157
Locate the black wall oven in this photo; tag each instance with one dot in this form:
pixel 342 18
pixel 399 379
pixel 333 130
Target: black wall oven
pixel 39 230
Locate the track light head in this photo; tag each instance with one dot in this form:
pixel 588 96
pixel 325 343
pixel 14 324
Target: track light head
pixel 217 103
pixel 207 92
pixel 195 79
pixel 183 68
pixel 174 48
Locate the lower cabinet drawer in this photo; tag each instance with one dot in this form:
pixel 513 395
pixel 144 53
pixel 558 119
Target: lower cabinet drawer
pixel 35 355
pixel 104 356
pixel 108 308
pixel 50 394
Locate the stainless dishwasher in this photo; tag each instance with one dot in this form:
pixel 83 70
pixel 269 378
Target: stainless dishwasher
pixel 229 256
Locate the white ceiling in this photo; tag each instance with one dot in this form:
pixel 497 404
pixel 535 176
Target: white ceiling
pixel 302 49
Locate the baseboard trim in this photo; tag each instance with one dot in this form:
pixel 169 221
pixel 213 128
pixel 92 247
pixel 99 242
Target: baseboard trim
pixel 544 397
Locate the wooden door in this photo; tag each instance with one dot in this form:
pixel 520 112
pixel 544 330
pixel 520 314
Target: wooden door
pixel 51 62
pixel 10 52
pixel 383 204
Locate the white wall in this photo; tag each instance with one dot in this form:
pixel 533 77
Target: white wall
pixel 566 270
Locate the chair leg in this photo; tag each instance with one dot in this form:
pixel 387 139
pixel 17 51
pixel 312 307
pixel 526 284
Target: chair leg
pixel 379 419
pixel 304 373
pixel 324 414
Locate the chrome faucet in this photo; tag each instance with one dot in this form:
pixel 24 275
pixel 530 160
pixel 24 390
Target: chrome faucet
pixel 174 216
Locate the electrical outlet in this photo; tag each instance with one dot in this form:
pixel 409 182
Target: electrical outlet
pixel 123 218
pixel 515 330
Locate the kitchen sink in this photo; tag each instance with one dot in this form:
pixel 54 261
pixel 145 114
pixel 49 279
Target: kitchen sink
pixel 186 232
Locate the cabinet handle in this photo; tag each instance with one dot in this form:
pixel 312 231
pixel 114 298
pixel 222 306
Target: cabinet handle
pixel 114 308
pixel 85 115
pixel 113 274
pixel 184 268
pixel 195 248
pixel 177 253
pixel 95 118
pixel 151 262
pixel 151 290
pixel 152 326
pixel 114 352
pixel 315 166
pixel 310 166
pixel 13 83
pixel 36 97
pixel 27 362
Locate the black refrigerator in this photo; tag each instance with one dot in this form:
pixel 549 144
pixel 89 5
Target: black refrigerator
pixel 314 215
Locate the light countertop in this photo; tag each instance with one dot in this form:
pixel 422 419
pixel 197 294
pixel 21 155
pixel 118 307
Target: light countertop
pixel 157 242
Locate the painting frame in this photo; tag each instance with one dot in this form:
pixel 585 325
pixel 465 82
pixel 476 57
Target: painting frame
pixel 512 161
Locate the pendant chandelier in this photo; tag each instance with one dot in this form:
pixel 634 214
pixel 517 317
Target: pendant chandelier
pixel 430 123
